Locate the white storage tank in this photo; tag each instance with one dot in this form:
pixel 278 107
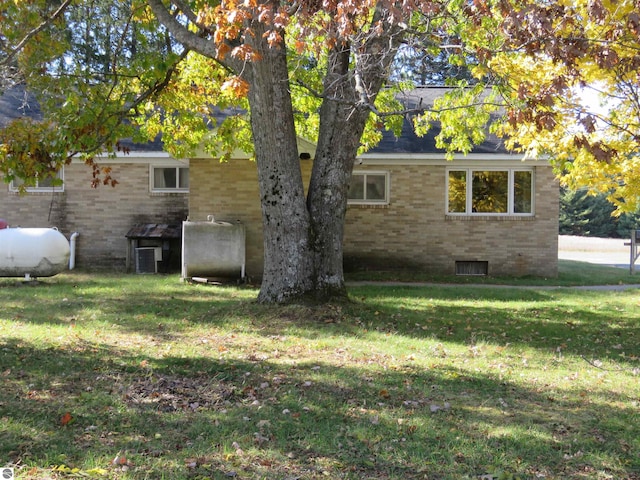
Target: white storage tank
pixel 33 252
pixel 213 249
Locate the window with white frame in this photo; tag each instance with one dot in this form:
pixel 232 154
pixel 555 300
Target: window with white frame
pixel 169 178
pixel 480 191
pixel 369 188
pixel 47 184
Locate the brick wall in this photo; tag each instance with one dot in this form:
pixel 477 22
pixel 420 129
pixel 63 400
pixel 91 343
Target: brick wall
pixel 229 191
pixel 101 216
pixel 413 231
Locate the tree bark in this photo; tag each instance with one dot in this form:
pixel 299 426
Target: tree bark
pixel 288 263
pixel 349 95
pixel 341 125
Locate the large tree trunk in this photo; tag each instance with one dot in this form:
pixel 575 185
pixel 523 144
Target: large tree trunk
pixel 341 126
pixel 342 123
pixel 288 263
pixel 303 241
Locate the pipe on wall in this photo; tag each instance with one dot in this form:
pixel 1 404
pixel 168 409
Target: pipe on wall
pixel 72 250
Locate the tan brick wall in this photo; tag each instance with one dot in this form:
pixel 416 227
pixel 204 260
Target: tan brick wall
pixel 101 216
pixel 412 231
pixel 229 191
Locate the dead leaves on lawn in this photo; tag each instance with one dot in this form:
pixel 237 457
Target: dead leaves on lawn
pixel 170 394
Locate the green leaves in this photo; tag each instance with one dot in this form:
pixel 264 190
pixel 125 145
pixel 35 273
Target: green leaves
pixel 464 113
pixel 31 151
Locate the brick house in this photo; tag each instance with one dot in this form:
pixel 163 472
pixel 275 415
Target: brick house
pixel 410 221
pixel 152 189
pixel 487 212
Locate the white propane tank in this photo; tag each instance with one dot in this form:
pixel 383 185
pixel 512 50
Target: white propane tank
pixel 32 252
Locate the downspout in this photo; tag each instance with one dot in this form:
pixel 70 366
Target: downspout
pixel 72 250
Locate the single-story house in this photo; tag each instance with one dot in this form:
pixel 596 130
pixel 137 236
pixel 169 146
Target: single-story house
pixel 153 189
pixel 488 212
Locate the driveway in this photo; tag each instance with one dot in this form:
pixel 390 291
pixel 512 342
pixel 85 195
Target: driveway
pixel 603 251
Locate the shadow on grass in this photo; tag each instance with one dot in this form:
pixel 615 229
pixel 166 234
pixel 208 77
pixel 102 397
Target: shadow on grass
pixel 582 323
pixel 221 419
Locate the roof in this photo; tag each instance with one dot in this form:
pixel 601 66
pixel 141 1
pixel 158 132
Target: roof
pixel 16 103
pixel 155 230
pixel 409 142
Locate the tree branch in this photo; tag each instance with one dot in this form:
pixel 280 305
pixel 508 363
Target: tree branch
pixel 183 35
pixel 12 53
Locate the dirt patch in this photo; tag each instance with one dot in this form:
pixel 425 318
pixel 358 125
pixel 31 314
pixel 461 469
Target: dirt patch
pixel 170 394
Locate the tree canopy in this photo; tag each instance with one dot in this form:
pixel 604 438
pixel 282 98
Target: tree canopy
pixel 569 73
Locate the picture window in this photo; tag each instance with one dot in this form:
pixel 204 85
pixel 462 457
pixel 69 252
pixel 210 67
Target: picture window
pixel 490 192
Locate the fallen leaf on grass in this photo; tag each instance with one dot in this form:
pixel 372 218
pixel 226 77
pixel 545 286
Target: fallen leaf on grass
pixel 436 408
pixel 66 419
pixel 120 460
pixel 239 451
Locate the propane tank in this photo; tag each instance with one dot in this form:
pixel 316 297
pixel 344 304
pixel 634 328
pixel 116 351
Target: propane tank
pixel 32 252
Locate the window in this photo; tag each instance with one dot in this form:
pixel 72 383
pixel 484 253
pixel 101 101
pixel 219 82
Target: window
pixel 369 188
pixel 169 179
pixel 488 192
pixel 41 185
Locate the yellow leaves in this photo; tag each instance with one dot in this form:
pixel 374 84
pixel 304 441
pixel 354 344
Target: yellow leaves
pixel 76 472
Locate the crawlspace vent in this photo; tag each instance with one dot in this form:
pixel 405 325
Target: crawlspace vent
pixel 472 267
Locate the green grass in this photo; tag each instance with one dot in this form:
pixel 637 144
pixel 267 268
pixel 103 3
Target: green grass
pixel 570 273
pixel 185 381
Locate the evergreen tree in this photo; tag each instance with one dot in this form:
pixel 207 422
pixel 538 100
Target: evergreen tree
pixel 584 214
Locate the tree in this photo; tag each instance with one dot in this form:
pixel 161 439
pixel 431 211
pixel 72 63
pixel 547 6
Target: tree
pixel 20 24
pixel 589 215
pixel 335 56
pixel 568 75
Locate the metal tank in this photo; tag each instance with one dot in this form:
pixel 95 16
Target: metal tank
pixel 32 252
pixel 213 249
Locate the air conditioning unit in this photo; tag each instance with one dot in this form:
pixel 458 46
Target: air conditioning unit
pixel 147 259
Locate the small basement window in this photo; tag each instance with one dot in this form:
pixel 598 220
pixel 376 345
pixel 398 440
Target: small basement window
pixel 474 267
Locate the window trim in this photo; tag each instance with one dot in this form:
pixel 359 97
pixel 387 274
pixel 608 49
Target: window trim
pixel 38 189
pixel 152 168
pixel 511 191
pixel 365 201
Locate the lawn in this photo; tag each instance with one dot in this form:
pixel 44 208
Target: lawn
pixel 147 377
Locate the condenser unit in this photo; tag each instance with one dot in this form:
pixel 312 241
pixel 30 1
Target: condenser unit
pixel 147 259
